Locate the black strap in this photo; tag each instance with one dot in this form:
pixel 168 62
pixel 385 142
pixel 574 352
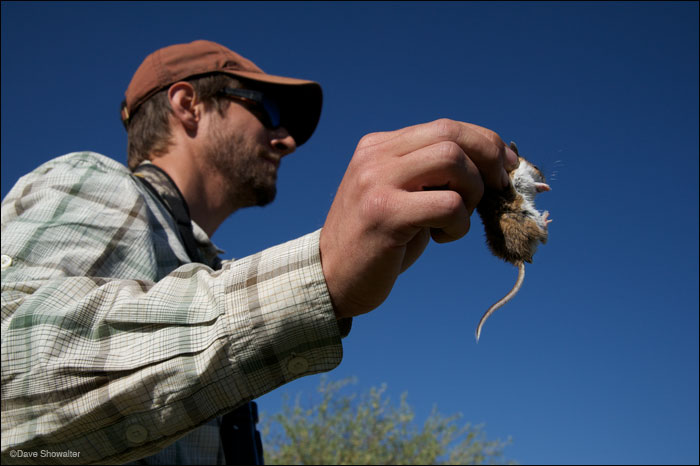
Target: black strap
pixel 165 189
pixel 238 434
pixel 240 439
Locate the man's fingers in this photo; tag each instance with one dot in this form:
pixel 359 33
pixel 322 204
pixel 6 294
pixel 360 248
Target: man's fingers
pixel 401 188
pixel 443 165
pixel 509 157
pixel 443 212
pixel 484 147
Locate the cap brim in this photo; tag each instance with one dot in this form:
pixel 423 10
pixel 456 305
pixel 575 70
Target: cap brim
pixel 300 101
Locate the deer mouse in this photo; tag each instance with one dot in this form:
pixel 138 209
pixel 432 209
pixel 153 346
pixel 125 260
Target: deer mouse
pixel 513 226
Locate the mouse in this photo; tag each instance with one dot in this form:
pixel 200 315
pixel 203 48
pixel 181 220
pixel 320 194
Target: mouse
pixel 512 224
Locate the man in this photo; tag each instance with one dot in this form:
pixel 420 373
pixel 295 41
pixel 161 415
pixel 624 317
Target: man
pixel 125 337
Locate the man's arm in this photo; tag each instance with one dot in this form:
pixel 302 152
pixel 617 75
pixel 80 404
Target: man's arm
pixel 115 369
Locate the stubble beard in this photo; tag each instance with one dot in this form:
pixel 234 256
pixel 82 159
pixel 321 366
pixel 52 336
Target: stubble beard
pixel 248 178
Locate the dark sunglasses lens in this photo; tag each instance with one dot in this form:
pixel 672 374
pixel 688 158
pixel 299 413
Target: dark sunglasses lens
pixel 273 112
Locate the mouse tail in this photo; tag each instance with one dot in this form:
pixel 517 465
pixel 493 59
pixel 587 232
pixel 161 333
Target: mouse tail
pixel 503 300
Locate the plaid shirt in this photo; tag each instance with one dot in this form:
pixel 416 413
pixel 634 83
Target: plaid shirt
pixel 114 345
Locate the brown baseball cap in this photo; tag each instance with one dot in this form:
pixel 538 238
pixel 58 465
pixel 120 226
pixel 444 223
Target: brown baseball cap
pixel 299 100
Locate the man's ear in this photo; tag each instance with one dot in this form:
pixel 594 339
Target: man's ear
pixel 183 102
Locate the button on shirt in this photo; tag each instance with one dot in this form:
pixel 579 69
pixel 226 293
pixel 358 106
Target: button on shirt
pixel 114 345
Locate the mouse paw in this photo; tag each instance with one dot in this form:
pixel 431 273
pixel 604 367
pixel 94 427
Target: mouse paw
pixel 545 217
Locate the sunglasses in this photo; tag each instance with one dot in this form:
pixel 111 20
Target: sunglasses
pixel 265 108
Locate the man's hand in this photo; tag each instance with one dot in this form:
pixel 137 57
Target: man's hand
pixel 401 188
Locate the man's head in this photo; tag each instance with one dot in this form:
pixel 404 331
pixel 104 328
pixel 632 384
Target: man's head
pixel 205 79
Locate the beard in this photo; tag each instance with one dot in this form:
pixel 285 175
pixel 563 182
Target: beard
pixel 249 178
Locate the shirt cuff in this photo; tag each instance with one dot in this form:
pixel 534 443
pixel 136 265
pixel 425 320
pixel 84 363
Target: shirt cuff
pixel 289 329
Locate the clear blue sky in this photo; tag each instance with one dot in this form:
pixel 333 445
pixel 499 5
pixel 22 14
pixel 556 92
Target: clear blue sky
pixel 596 360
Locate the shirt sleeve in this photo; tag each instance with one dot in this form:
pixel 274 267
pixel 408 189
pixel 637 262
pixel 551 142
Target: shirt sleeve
pixel 97 369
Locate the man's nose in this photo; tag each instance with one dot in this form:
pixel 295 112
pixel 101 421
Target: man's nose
pixel 282 141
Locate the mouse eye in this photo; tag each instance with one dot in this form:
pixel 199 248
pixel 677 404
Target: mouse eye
pixel 538 173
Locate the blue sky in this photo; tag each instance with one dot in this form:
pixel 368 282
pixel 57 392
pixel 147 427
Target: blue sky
pixel 596 359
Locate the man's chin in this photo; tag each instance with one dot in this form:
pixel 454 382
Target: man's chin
pixel 265 195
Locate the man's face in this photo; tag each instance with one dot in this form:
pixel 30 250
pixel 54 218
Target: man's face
pixel 245 153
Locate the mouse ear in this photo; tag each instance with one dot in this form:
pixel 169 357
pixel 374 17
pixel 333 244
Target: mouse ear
pixel 514 147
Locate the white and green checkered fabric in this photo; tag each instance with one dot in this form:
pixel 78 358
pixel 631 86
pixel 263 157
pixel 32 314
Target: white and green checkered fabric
pixel 114 345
